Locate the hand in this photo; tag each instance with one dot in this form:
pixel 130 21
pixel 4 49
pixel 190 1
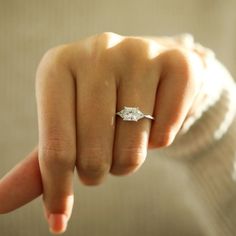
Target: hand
pixel 79 88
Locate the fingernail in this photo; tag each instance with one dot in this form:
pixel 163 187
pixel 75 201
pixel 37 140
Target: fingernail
pixel 57 223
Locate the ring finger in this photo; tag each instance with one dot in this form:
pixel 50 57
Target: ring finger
pixel 131 138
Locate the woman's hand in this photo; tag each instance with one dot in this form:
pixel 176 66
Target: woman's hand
pixel 79 88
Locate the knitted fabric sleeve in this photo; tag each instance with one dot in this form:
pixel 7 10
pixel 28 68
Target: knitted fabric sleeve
pixel 206 145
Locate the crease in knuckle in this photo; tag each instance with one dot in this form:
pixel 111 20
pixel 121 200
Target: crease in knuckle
pixel 162 139
pixel 94 163
pixel 57 152
pixel 131 158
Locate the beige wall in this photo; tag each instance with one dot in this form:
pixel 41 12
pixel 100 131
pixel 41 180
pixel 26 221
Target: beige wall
pixel 29 27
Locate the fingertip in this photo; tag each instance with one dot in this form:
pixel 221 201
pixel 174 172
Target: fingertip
pixel 57 223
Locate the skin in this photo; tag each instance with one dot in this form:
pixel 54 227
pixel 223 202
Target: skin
pixel 79 88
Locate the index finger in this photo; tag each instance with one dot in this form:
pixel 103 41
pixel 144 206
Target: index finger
pixel 55 95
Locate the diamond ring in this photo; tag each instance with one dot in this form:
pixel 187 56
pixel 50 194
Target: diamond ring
pixel 132 114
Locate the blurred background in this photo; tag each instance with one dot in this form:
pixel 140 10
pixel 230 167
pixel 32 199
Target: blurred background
pixel 28 28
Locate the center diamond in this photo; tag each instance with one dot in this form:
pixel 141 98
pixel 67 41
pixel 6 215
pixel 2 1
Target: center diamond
pixel 131 114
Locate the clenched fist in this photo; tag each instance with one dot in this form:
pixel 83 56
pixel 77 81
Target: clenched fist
pixel 79 88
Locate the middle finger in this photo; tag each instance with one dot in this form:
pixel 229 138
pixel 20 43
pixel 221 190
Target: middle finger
pixel 96 99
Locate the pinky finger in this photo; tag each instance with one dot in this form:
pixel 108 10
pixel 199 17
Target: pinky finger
pixel 179 85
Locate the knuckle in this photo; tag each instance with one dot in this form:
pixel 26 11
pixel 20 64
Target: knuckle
pixel 102 55
pixel 107 53
pixel 130 45
pixel 53 59
pixel 188 66
pixel 141 58
pixel 94 167
pixel 178 59
pixel 56 55
pixel 54 65
pixel 107 35
pixel 130 158
pixel 94 163
pixel 162 140
pixel 57 153
pixel 104 41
